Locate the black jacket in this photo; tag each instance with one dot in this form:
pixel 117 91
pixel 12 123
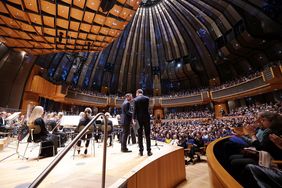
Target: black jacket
pixel 126 113
pixel 141 109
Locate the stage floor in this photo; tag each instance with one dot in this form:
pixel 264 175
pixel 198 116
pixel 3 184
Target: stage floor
pixel 78 171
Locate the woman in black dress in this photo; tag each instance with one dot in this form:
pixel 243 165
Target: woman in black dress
pixel 39 133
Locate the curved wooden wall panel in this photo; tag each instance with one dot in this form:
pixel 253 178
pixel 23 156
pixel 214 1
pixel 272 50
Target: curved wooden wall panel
pixel 160 172
pixel 15 68
pixel 219 177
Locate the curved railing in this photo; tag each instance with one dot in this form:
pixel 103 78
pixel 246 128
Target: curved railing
pixel 166 102
pixel 219 177
pixel 269 79
pixel 61 154
pixel 87 98
pixel 244 87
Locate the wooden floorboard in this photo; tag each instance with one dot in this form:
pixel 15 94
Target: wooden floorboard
pixel 80 171
pixel 197 175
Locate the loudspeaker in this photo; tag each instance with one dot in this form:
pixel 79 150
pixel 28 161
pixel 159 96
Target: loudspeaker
pixel 107 5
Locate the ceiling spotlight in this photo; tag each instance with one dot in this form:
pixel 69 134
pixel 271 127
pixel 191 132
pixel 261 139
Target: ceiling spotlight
pixel 178 65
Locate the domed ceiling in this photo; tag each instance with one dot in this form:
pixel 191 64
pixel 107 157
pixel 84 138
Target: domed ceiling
pixel 177 44
pixel 50 26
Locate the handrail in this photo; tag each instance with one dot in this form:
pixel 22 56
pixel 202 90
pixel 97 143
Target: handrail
pixel 60 155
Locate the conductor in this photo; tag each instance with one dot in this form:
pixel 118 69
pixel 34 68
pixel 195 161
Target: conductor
pixel 142 117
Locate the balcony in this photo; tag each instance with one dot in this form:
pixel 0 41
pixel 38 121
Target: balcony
pixel 181 101
pixel 247 88
pixel 93 100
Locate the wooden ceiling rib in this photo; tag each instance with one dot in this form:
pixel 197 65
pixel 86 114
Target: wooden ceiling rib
pixel 35 26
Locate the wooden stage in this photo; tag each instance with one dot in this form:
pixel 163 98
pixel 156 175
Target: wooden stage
pixel 165 168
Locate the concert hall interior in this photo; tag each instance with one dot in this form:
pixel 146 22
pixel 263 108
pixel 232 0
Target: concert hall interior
pixel 81 79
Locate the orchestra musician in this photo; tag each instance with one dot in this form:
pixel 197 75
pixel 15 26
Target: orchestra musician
pixel 82 123
pixel 39 132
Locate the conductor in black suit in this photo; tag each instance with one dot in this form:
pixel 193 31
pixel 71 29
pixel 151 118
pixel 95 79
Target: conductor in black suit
pixel 126 118
pixel 141 114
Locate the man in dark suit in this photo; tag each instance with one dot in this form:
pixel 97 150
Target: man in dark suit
pixel 126 118
pixel 141 114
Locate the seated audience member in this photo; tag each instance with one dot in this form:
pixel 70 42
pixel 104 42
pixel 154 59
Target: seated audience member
pixel 82 123
pixel 272 122
pixel 168 138
pixel 36 125
pixel 196 147
pixel 182 142
pixel 258 176
pixel 237 143
pixel 174 140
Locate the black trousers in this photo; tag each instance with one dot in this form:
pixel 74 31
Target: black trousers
pixel 125 133
pixel 85 137
pixel 144 125
pixel 132 136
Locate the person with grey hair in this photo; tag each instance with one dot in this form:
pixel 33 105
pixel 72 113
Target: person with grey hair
pixel 142 117
pixel 126 118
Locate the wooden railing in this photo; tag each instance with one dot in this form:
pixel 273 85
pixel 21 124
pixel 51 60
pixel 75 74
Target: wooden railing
pixel 242 88
pixel 183 100
pixel 269 80
pixel 87 98
pixel 219 177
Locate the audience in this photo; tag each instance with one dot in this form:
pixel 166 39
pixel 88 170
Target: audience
pixel 253 109
pixel 195 112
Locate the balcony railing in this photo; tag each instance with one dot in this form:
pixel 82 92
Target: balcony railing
pixel 88 98
pixel 245 87
pixel 238 90
pixel 183 100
